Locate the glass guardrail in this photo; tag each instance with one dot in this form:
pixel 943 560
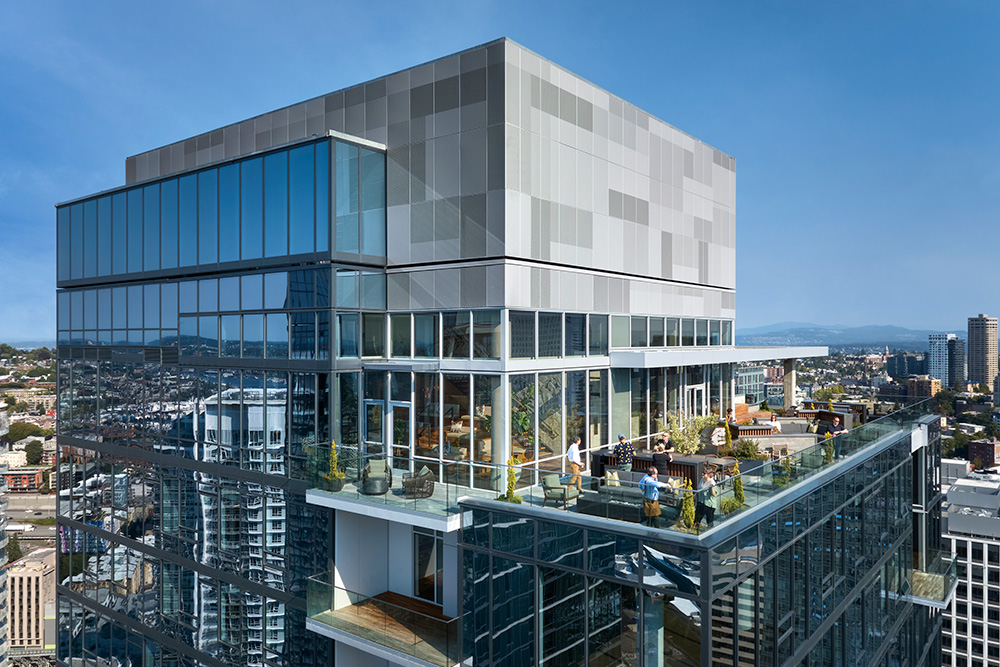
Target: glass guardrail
pixel 934 585
pixel 414 630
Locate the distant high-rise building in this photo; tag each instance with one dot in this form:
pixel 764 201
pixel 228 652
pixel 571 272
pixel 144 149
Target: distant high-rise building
pixel 937 355
pixel 33 603
pixel 956 362
pixel 982 349
pixel 922 386
pixel 905 364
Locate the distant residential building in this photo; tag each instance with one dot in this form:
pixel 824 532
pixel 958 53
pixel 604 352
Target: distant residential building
pixel 24 479
pixel 957 376
pixel 985 453
pixel 937 355
pixel 14 459
pixel 905 364
pixel 982 349
pixel 750 383
pixel 32 583
pixel 922 386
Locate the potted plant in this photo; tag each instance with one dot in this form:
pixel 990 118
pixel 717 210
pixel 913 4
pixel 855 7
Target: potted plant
pixel 334 476
pixel 509 496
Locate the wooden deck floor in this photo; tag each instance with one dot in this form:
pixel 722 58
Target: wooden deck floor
pixel 414 627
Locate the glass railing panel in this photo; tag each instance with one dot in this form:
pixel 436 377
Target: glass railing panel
pixel 935 584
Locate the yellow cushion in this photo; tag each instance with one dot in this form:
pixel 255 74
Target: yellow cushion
pixel 612 478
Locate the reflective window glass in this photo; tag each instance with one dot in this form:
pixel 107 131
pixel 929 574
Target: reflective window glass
pixel 151 227
pixel 715 332
pixel 276 204
pixel 188 220
pixel 151 306
pixel 168 224
pixel 656 332
pixel 188 297
pixel 348 333
pixel 62 311
pixel 550 334
pixel 63 243
pixel 229 213
pixel 687 332
pixel 347 289
pixel 134 230
pixel 76 244
pixel 168 305
pixel 621 335
pixel 90 238
pixel 373 332
pixel 373 290
pixel 727 332
pixel 300 289
pixel 229 293
pixel 301 200
pixel 90 309
pixel 119 226
pixel 135 306
pixel 455 334
pixel 103 310
pixel 277 335
pixel 702 332
pixel 104 239
pixel 486 334
pixel 639 333
pixel 208 336
pixel 275 290
pixel 372 203
pixel 208 295
pixel 323 334
pixel 251 208
pixel 598 328
pixel 303 338
pixel 522 334
pixel 253 336
pixel 346 197
pixel 425 335
pixel 575 335
pixel 251 292
pixel 672 337
pixel 229 345
pixel 323 196
pixel 119 308
pixel 400 332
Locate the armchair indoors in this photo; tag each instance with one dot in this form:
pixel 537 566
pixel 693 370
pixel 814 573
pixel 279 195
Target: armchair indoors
pixel 376 478
pixel 554 490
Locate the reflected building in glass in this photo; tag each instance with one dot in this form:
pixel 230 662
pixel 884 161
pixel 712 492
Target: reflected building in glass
pixel 301 355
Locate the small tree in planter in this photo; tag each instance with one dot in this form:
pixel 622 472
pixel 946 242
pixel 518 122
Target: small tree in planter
pixel 687 506
pixel 738 485
pixel 828 448
pixel 510 496
pixel 334 475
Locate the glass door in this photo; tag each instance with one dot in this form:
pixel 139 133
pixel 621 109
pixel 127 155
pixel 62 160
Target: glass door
pixel 374 431
pixel 695 406
pixel 400 436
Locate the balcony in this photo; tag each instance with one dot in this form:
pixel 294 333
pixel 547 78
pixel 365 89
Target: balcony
pixel 935 585
pixel 400 625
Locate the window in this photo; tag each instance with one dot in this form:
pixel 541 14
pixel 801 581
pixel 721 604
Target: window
pixel 598 335
pixel 522 335
pixel 486 334
pixel 575 335
pixel 373 330
pixel 639 333
pixel 455 334
pixel 620 331
pixel 348 328
pixel 399 326
pixel 656 332
pixel 425 335
pixel 550 334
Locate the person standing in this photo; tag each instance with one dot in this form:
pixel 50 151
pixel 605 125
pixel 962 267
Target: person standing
pixel 575 463
pixel 662 457
pixel 706 498
pixel 650 487
pixel 624 452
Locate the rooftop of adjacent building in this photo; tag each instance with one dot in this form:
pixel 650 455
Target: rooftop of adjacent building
pixel 39 560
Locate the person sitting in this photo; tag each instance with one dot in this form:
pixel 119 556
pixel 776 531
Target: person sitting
pixel 774 424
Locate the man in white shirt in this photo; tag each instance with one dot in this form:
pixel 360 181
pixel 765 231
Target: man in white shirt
pixel 575 463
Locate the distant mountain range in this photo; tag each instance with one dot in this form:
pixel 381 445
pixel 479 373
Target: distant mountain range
pixel 806 333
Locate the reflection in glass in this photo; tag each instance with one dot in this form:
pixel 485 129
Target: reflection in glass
pixel 208 295
pixel 426 404
pixel 277 335
pixel 303 336
pixel 455 405
pixel 522 334
pixel 620 331
pixel 253 336
pixel 715 332
pixel 598 334
pixel 299 286
pixel 134 230
pixel 656 332
pixel 229 293
pixel 522 417
pixel 373 332
pixel 229 213
pixel 346 197
pixel 425 335
pixel 119 220
pixel 598 388
pixel 188 220
pixel 252 208
pixel 639 333
pixel 702 332
pixel 230 343
pixel 550 335
pixel 251 295
pixel 348 293
pixel 550 427
pixel 151 227
pixel 372 203
pixel 673 337
pixel 687 332
pixel 348 329
pixel 276 204
pixel 455 334
pixel 208 217
pixel 575 335
pixel 276 289
pixel 301 200
pixel 399 325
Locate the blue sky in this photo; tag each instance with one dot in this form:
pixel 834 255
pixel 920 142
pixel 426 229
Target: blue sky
pixel 866 134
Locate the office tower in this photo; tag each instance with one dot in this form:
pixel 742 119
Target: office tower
pixel 32 584
pixel 298 353
pixel 937 357
pixel 971 527
pixel 983 349
pixel 956 363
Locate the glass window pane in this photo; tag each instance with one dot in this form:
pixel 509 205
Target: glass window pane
pixel 63 242
pixel 702 331
pixel 229 293
pixel 229 213
pixel 276 204
pixel 639 332
pixel 673 336
pixel 301 200
pixel 90 238
pixel 276 290
pixel 151 227
pixel 598 334
pixel 550 427
pixel 229 345
pixel 373 331
pixel 303 336
pixel 400 332
pixel 300 290
pixel 76 309
pixel 208 336
pixel 522 334
pixel 277 335
pixel 208 295
pixel 134 230
pixel 348 329
pixel 347 192
pixel 168 305
pixel 727 332
pixel 104 236
pixel 426 403
pixel 135 306
pixel 456 402
pixel 575 335
pixel 119 308
pixel 119 225
pixel 372 203
pixel 687 332
pixel 103 310
pixel 168 224
pixel 188 220
pixel 522 417
pixel 253 336
pixel 373 290
pixel 90 309
pixel 151 306
pixel 620 331
pixel 656 332
pixel 485 397
pixel 486 334
pixel 640 425
pixel 62 311
pixel 455 334
pixel 348 293
pixel 550 334
pixel 252 208
pixel 323 334
pixel 323 196
pixel 714 332
pixel 425 335
pixel 251 288
pixel 76 246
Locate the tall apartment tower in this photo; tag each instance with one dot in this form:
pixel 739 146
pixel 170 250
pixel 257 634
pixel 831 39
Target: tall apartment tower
pixel 32 583
pixel 982 349
pixel 957 375
pixel 302 355
pixel 942 358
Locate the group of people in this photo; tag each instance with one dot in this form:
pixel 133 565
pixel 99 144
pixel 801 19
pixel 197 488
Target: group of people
pixel 704 509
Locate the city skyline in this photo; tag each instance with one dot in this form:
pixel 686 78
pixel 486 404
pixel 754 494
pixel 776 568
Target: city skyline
pixel 882 103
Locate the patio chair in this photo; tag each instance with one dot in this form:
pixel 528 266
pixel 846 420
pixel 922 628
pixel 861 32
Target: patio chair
pixel 419 485
pixel 554 490
pixel 376 478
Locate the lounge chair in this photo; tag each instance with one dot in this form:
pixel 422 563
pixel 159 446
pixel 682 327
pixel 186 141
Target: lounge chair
pixel 376 478
pixel 554 490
